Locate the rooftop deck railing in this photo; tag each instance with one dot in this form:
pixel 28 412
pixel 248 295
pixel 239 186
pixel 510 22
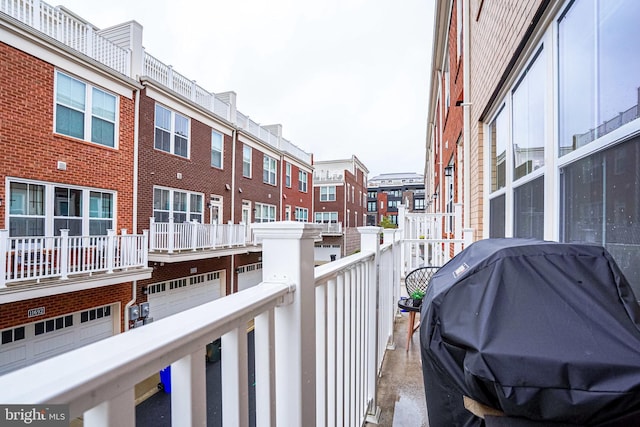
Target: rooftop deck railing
pixel 321 335
pixel 28 259
pixel 70 31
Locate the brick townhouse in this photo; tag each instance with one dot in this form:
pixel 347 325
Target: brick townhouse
pixel 128 191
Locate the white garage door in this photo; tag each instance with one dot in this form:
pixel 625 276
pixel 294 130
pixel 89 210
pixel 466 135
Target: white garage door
pixel 249 275
pixel 26 344
pixel 174 296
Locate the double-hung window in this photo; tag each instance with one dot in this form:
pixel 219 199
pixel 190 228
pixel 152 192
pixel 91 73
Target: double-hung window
pixel 85 112
pixel 302 215
pixel 288 175
pixel 269 170
pixel 246 161
pixel 302 181
pixel 328 193
pixel 182 206
pixel 216 149
pixel 171 132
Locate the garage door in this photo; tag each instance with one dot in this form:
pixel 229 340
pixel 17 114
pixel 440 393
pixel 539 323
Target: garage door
pixel 30 343
pixel 249 275
pixel 174 296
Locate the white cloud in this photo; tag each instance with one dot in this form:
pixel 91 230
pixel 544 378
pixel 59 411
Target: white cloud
pixel 343 77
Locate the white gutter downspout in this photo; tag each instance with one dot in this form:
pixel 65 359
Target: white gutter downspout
pixel 134 286
pixel 466 105
pixel 234 139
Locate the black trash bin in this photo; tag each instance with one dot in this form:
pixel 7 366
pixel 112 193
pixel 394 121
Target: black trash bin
pixel 542 331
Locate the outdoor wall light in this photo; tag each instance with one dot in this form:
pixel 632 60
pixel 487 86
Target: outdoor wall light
pixel 448 171
pixel 435 195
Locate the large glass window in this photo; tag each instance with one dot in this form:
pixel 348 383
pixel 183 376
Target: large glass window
pixel 600 197
pixel 216 149
pixel 528 125
pixel 497 217
pixel 80 210
pixel 265 213
pixel 499 136
pixel 528 210
pixel 302 214
pixel 246 161
pixel 328 193
pixel 171 132
pixel 598 79
pixel 84 112
pixel 180 205
pixel 371 206
pixel 327 217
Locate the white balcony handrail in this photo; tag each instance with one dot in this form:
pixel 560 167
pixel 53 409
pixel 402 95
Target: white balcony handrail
pixel 329 329
pixel 27 259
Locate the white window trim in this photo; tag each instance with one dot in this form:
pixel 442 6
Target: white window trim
pixel 221 149
pixel 172 132
pixel 271 169
pixel 189 212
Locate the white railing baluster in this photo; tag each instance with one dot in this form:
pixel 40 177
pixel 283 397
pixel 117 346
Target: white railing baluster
pixel 235 378
pixel 265 368
pixel 189 390
pixel 118 411
pixel 340 349
pixel 331 353
pixel 321 360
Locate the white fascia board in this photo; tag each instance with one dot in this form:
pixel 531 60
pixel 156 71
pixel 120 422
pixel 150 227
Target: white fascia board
pixel 263 147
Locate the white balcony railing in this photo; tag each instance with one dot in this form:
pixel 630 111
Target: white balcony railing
pixel 321 335
pixel 331 228
pixel 191 236
pixel 70 31
pixel 26 259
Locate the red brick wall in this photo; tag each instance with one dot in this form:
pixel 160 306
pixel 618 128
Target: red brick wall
pixel 14 314
pixel 295 197
pixel 161 168
pixel 26 123
pixel 253 188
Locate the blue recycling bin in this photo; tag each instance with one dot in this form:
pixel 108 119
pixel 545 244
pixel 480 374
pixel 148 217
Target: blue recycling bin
pixel 165 379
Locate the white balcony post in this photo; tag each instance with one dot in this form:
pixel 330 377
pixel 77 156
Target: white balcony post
pixel 457 246
pixel 145 247
pixel 468 236
pixel 235 378
pixel 265 367
pixel 194 234
pixel 370 242
pixel 64 254
pixel 171 233
pixel 37 15
pixel 189 390
pixel 119 411
pixel 152 235
pixel 4 238
pixel 111 249
pixel 295 329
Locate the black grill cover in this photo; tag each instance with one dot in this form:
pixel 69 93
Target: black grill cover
pixel 539 330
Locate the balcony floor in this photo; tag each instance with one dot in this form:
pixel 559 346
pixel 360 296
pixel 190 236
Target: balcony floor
pixel 400 388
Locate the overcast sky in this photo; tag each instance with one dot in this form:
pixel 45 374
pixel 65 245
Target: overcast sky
pixel 342 77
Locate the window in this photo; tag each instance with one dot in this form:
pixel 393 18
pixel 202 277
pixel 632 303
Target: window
pixel 447 82
pixel 459 27
pixel 371 206
pixel 180 205
pixel 326 217
pixel 172 132
pixel 598 78
pixel 528 112
pixel 246 161
pixel 302 181
pixel 392 204
pixel 372 194
pixel 85 112
pixel 418 204
pixel 288 175
pixel 348 191
pixel 216 149
pixel 302 214
pixel 269 170
pixel 82 211
pixel 528 215
pixel 265 213
pixel 51 325
pixel 497 217
pixel 498 134
pixel 600 199
pixel 328 193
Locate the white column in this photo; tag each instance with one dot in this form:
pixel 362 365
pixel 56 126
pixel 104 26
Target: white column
pixel 288 256
pixel 370 242
pixel 189 390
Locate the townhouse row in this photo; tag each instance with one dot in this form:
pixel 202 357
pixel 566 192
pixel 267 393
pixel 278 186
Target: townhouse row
pixel 127 191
